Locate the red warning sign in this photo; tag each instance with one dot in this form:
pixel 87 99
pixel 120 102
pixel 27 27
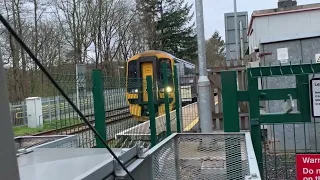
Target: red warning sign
pixel 308 166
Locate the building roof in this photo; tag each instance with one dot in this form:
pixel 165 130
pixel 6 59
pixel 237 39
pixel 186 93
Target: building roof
pixel 278 11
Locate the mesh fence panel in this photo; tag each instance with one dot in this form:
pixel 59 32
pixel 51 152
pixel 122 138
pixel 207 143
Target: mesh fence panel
pixel 213 156
pixel 282 142
pixel 47 142
pixel 188 98
pixel 164 162
pixel 199 156
pixel 70 144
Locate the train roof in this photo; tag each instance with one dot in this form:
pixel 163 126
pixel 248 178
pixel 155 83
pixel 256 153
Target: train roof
pixel 177 60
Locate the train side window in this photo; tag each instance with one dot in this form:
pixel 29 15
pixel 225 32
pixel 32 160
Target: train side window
pixel 189 70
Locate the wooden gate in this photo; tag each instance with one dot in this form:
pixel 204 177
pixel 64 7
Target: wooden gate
pixel 215 83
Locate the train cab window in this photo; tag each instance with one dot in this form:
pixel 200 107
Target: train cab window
pixel 133 82
pixel 132 69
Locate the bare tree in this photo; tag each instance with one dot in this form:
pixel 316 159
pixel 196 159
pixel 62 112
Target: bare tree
pixel 74 21
pixel 61 32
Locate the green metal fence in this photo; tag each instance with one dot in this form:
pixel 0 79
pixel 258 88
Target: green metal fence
pixel 64 120
pixel 285 133
pixel 103 100
pixel 161 104
pixel 126 128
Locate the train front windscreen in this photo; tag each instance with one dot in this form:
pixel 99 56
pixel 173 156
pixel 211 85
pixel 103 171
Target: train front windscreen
pixel 133 80
pixel 169 88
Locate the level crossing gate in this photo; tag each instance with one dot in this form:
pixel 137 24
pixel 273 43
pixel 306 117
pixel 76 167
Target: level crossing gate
pixel 290 132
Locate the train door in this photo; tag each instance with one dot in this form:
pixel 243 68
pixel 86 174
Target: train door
pixel 146 70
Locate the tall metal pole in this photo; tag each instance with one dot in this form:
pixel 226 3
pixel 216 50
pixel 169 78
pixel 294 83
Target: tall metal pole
pixel 241 42
pixel 236 28
pixel 8 159
pixel 205 114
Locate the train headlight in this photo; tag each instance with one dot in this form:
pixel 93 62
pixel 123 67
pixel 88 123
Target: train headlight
pixel 168 89
pixel 134 91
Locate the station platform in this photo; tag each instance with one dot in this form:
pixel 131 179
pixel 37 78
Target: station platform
pixel 190 121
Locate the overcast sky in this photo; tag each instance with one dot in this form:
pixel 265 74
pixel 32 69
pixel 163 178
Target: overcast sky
pixel 214 11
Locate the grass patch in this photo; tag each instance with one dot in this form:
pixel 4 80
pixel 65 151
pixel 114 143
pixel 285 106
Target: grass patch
pixel 47 126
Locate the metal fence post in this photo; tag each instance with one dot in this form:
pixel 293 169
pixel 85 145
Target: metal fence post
pixel 255 130
pixel 24 114
pixel 57 104
pixel 152 116
pixel 166 97
pixel 49 109
pixel 180 103
pixel 302 82
pixel 230 101
pixel 176 91
pixel 231 123
pixel 205 114
pixel 99 106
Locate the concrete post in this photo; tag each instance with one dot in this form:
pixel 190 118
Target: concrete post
pixel 8 159
pixel 205 114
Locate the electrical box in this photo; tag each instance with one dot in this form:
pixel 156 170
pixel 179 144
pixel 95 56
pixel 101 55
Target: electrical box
pixel 286 3
pixel 34 112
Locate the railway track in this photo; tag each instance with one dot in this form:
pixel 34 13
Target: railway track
pixel 113 116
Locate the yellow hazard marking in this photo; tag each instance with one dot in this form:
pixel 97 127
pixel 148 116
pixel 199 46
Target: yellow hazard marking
pixel 194 122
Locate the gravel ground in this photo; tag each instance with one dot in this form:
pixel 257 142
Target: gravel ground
pixel 279 166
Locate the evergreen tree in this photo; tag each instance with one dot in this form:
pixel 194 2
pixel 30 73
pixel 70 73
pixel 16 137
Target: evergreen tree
pixel 172 31
pixel 215 50
pixel 147 11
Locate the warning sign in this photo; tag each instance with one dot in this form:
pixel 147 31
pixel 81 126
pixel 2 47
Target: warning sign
pixel 283 55
pixel 308 166
pixel 315 96
pixel 317 58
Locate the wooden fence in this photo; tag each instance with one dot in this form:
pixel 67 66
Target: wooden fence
pixel 214 75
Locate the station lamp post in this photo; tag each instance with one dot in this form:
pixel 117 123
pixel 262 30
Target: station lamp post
pixel 204 100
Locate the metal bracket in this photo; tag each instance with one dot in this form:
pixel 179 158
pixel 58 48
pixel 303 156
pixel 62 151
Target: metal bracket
pixel 125 157
pixel 252 176
pixel 288 104
pixel 140 151
pixel 262 94
pixel 23 151
pixel 255 121
pixel 117 168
